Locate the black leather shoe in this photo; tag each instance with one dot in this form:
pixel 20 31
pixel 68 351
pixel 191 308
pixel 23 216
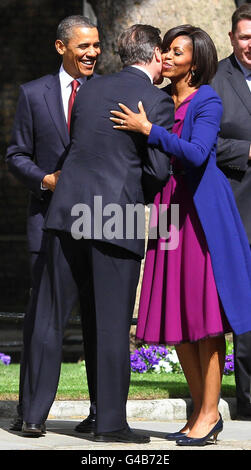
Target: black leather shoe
pixel 87 425
pixel 17 424
pixel 123 435
pixel 33 430
pixel 244 412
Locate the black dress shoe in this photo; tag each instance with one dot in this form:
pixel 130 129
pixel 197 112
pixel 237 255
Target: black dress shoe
pixel 33 430
pixel 87 425
pixel 123 435
pixel 17 424
pixel 244 412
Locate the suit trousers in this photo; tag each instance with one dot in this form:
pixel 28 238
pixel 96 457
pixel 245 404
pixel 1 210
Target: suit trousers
pixel 37 260
pixel 242 368
pixel 104 277
pixel 39 371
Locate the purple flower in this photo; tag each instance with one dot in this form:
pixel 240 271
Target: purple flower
pixel 229 364
pixel 147 357
pixel 5 359
pixel 138 366
pixel 163 351
pixel 135 356
pixel 137 362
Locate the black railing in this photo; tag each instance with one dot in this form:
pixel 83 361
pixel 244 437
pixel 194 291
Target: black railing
pixel 18 317
pixel 11 335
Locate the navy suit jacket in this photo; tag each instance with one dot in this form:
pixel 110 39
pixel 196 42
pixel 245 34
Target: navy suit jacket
pixel 235 136
pixel 38 146
pixel 116 166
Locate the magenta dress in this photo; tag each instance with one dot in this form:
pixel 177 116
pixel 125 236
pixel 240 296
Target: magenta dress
pixel 179 300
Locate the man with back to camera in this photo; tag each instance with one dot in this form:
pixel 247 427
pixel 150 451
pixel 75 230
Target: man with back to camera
pixel 233 84
pixel 114 168
pixel 35 155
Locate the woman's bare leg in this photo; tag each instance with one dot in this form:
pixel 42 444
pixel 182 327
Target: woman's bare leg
pixel 189 357
pixel 212 359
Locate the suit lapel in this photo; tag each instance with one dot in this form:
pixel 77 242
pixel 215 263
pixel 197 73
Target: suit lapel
pixel 54 102
pixel 238 82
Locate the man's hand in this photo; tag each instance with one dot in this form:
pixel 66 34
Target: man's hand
pixel 50 181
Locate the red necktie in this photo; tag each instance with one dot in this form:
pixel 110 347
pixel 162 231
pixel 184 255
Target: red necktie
pixel 74 86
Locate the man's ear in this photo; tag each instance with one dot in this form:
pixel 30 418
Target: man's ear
pixel 157 53
pixel 60 47
pixel 230 34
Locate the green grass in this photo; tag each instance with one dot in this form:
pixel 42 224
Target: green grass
pixel 73 386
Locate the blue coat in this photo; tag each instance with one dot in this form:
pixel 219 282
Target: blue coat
pixel 214 202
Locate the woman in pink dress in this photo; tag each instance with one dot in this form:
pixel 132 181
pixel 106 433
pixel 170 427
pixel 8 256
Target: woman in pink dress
pixel 183 297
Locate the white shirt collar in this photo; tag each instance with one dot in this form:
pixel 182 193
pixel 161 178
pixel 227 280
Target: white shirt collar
pixel 66 79
pixel 245 70
pixel 142 68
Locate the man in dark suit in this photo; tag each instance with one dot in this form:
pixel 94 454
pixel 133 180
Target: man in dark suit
pixel 38 146
pixel 240 2
pixel 106 175
pixel 233 84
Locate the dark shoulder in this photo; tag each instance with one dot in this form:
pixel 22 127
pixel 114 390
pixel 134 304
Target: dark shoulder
pixel 224 67
pixel 96 81
pixel 39 82
pixel 95 75
pixel 224 64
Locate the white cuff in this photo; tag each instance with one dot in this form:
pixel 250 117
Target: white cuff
pixel 42 187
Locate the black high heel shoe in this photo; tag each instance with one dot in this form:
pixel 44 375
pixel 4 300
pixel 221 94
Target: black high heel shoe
pixel 194 441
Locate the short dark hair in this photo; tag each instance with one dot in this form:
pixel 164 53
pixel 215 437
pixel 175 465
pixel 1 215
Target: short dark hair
pixel 242 13
pixel 64 29
pixel 137 43
pixel 204 52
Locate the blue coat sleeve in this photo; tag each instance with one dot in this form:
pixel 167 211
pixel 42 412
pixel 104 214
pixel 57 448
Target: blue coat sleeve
pixel 194 152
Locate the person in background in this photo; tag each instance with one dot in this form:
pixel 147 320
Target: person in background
pixel 200 288
pixel 36 152
pixel 241 2
pixel 232 82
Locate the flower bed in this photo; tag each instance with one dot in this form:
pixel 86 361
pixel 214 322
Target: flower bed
pixel 158 359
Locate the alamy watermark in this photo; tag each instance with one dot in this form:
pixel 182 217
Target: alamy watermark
pixel 116 221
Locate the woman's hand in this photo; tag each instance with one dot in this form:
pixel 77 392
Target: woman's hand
pixel 129 121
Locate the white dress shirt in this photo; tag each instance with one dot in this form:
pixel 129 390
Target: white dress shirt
pixel 65 83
